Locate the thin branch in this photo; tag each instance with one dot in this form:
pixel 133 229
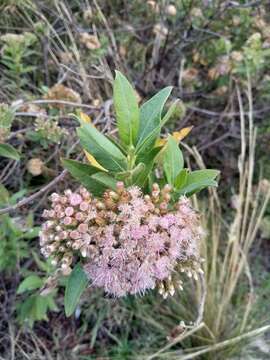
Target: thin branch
pixel 32 197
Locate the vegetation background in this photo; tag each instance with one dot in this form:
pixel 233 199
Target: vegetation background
pixel 58 57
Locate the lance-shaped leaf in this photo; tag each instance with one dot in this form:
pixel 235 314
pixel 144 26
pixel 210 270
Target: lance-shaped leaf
pixel 181 179
pixel 151 139
pixel 8 151
pixel 201 175
pixel 199 180
pixel 104 151
pixel 76 284
pixel 90 177
pixel 148 159
pixel 150 114
pixel 126 108
pixel 30 283
pixel 173 161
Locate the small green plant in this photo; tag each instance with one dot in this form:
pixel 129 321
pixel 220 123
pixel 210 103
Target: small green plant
pixel 34 304
pixel 47 132
pixel 15 234
pixel 16 49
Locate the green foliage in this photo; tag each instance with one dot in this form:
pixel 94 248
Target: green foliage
pixel 150 120
pixel 219 47
pixel 94 180
pixel 16 49
pixel 35 308
pixel 47 132
pixel 199 180
pixel 15 234
pixel 133 166
pixel 127 110
pixel 6 119
pixel 76 284
pixel 172 160
pixel 98 145
pixel 8 151
pixel 33 305
pixel 32 282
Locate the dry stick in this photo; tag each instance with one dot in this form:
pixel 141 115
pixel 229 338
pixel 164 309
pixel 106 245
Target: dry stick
pixel 251 294
pixel 62 9
pixel 32 197
pixel 176 340
pixel 232 246
pixel 110 33
pixel 252 139
pixel 244 240
pixel 62 102
pixel 202 301
pixel 198 324
pixel 225 343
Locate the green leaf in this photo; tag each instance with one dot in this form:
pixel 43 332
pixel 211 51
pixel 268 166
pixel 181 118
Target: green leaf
pixel 198 180
pixel 149 142
pixel 8 151
pixel 193 188
pixel 125 175
pixel 150 114
pixel 148 159
pixel 76 284
pixel 103 150
pixel 202 175
pixel 30 283
pixel 181 179
pixel 173 161
pixel 170 112
pixel 4 195
pixel 89 176
pixel 35 308
pixel 105 179
pixel 126 108
pixel 7 115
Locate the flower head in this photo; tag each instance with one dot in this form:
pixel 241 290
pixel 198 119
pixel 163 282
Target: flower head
pixel 130 242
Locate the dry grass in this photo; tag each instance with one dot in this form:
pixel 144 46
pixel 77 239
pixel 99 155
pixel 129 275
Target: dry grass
pixel 227 321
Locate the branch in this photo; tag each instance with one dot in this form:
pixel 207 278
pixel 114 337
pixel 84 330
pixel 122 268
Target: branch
pixel 32 197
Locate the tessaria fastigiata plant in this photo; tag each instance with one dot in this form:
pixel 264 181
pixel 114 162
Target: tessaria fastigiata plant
pixel 129 227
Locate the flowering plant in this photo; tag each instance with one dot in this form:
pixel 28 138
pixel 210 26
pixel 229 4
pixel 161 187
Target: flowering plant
pixel 128 228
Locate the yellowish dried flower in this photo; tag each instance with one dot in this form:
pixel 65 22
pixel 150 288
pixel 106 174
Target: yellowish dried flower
pixel 122 51
pixel 196 12
pixel 34 109
pixel 88 15
pixel 61 92
pixel 66 57
pixel 213 73
pixel 35 166
pixel 96 102
pixel 190 74
pixel 237 56
pixel 236 20
pixel 264 185
pixel 196 57
pixel 154 6
pixel 91 42
pixel 171 10
pixel 161 30
pixel 8 38
pixel 222 90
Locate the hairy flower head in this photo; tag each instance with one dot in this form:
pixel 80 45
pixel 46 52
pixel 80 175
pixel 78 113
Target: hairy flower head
pixel 130 242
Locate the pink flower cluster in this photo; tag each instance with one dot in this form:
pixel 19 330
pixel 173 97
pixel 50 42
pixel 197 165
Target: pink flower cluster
pixel 130 242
